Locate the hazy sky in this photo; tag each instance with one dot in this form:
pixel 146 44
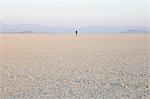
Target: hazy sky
pixel 75 12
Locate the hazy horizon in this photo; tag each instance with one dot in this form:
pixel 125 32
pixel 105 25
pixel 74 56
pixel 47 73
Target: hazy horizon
pixel 35 28
pixel 75 49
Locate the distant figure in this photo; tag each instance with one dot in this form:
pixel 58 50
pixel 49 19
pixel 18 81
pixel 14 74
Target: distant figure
pixel 76 32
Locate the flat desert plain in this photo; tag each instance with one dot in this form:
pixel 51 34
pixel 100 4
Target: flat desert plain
pixel 42 66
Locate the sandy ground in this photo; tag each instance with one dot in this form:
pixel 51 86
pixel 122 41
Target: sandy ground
pixel 69 67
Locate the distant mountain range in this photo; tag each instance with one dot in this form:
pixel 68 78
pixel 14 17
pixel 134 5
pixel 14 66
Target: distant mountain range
pixel 136 31
pixel 33 28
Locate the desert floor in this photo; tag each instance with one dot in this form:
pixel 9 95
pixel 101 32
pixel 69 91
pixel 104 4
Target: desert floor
pixel 42 66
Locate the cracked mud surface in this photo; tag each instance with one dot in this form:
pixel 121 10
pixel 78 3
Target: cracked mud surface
pixel 87 67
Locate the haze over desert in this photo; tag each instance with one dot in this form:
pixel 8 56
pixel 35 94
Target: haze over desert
pixel 74 49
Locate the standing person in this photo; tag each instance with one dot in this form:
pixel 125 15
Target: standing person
pixel 76 32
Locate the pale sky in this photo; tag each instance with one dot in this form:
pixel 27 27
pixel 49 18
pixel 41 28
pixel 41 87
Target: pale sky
pixel 76 12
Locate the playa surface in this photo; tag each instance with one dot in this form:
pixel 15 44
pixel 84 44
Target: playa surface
pixel 42 66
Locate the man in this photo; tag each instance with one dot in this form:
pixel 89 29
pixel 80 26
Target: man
pixel 76 32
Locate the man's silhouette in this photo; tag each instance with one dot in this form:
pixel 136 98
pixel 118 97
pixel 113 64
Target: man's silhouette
pixel 76 32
